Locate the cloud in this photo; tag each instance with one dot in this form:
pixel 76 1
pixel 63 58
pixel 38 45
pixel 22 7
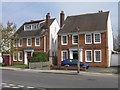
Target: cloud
pixel 20 12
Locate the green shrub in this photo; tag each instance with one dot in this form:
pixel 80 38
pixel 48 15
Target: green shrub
pixel 39 57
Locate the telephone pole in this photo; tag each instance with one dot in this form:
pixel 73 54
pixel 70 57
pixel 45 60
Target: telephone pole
pixel 78 63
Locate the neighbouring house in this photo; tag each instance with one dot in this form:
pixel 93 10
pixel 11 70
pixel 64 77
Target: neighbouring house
pixel 115 59
pixel 36 36
pixel 95 38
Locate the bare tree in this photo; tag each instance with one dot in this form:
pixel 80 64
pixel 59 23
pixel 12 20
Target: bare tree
pixel 115 43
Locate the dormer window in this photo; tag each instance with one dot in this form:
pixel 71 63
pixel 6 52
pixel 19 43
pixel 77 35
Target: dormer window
pixel 27 27
pixel 33 26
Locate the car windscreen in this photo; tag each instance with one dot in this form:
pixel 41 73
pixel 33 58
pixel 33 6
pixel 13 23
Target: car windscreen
pixel 72 61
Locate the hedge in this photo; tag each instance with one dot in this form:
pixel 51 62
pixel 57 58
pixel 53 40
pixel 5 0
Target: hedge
pixel 39 57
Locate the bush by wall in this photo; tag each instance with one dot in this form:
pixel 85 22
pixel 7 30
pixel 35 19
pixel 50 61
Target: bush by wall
pixel 39 57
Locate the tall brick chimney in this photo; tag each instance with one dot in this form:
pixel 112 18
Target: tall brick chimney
pixel 62 15
pixel 48 33
pixel 48 20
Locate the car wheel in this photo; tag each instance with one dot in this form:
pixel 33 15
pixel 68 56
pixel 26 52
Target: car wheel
pixel 87 67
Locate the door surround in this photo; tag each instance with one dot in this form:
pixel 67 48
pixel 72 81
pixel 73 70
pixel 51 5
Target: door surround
pixel 25 55
pixel 75 49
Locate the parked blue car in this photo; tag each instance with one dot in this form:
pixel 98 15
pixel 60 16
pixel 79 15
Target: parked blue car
pixel 73 62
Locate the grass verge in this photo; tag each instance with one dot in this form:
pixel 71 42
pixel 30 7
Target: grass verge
pixel 17 66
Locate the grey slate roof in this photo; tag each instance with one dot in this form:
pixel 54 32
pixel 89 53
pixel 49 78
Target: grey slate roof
pixel 32 33
pixel 86 23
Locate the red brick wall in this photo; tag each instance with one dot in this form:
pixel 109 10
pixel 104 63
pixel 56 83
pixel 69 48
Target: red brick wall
pixel 103 47
pixel 21 49
pixel 33 44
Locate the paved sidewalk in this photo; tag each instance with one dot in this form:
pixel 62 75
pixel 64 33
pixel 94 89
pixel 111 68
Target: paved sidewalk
pixel 69 72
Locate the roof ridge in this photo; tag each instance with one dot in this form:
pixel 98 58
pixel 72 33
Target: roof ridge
pixel 88 14
pixel 38 20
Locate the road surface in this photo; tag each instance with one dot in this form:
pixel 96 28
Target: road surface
pixel 50 80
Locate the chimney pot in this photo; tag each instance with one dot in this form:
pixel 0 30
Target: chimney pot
pixel 31 20
pixel 48 14
pixel 100 11
pixel 62 11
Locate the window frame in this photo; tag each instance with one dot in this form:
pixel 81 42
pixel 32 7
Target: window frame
pixel 62 54
pixel 91 38
pixel 36 40
pixel 27 29
pixel 62 40
pixel 15 42
pixel 19 42
pixel 31 41
pixel 73 39
pixel 86 56
pixel 94 38
pixel 19 56
pixel 31 25
pixel 95 56
pixel 14 57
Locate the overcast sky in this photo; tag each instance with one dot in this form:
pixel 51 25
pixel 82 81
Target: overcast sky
pixel 20 12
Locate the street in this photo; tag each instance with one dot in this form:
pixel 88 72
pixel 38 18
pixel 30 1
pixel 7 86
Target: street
pixel 50 80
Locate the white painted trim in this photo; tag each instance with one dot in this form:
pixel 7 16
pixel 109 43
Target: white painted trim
pixel 6 54
pixel 71 54
pixel 81 55
pixel 86 55
pixel 14 58
pixel 91 38
pixel 25 55
pixel 19 42
pixel 66 40
pixel 110 40
pixel 95 56
pixel 27 29
pixel 27 41
pixel 44 43
pixel 62 54
pixel 35 41
pixel 100 38
pixel 31 27
pixel 19 56
pixel 73 40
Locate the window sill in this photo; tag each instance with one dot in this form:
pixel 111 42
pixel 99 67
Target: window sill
pixel 74 43
pixel 14 60
pixel 97 42
pixel 89 61
pixel 97 61
pixel 64 44
pixel 20 60
pixel 88 43
pixel 29 45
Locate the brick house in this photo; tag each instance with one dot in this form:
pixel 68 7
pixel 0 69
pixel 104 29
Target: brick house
pixel 36 36
pixel 95 37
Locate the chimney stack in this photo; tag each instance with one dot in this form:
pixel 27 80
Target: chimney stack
pixel 48 33
pixel 48 20
pixel 62 15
